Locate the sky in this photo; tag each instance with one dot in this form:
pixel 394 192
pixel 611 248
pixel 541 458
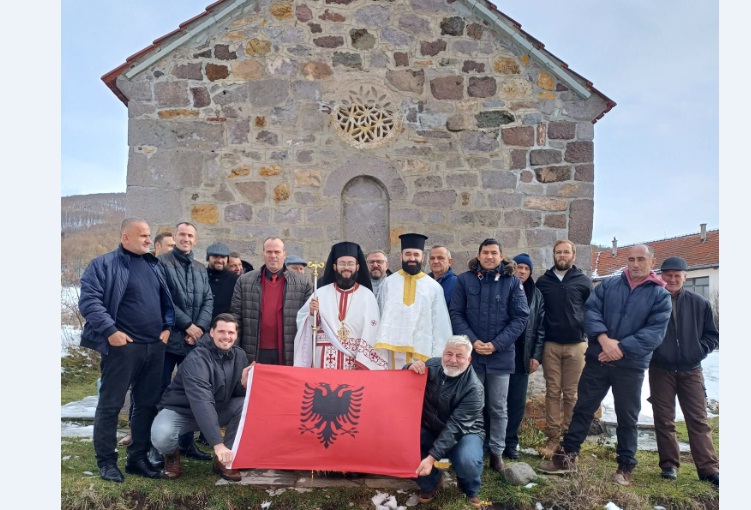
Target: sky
pixel 656 152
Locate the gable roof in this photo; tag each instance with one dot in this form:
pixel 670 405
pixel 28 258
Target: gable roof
pixel 698 254
pixel 217 11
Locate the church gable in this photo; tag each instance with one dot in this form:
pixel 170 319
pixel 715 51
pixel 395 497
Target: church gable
pixel 306 119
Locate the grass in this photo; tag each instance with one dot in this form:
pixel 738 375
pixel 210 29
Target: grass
pixel 590 488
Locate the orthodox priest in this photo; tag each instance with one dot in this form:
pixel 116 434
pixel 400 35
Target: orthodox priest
pixel 415 321
pixel 342 315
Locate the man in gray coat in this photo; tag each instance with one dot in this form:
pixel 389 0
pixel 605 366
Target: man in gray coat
pixel 265 303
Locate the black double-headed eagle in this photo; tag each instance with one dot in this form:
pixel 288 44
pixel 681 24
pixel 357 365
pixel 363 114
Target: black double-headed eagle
pixel 328 413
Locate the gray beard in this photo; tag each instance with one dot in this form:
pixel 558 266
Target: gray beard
pixel 453 372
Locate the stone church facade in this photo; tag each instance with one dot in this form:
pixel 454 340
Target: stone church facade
pixel 325 120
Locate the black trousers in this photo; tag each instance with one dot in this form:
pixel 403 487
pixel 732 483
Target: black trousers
pixel 516 403
pixel 139 367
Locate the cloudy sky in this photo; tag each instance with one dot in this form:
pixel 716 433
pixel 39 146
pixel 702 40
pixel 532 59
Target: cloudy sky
pixel 656 152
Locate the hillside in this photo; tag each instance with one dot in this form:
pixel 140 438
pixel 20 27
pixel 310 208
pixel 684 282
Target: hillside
pixel 90 226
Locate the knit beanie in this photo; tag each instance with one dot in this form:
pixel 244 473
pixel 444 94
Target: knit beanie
pixel 523 258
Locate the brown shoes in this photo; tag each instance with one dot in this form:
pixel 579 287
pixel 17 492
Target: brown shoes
pixel 623 474
pixel 172 468
pixel 233 475
pixel 547 451
pixel 560 463
pixel 427 497
pixel 474 502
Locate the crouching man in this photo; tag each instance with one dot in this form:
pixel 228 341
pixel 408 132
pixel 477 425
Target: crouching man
pixel 452 421
pixel 206 394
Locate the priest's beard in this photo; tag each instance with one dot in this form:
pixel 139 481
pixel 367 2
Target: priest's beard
pixel 411 267
pixel 345 283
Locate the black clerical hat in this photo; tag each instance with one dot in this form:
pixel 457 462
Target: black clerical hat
pixel 346 249
pixel 416 241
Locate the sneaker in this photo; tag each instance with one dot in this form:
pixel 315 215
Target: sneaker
pixel 427 497
pixel 669 473
pixel 474 502
pixel 559 463
pixel 547 451
pixel 623 474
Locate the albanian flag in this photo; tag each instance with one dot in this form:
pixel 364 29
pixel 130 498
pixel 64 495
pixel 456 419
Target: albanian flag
pixel 365 421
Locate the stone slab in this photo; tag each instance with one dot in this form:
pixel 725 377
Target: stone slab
pixel 305 480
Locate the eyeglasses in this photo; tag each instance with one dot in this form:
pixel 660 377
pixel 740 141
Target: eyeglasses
pixel 376 262
pixel 347 265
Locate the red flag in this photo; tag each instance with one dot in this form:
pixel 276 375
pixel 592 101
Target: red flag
pixel 365 421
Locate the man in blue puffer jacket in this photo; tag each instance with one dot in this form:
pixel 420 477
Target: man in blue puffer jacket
pixel 625 320
pixel 488 305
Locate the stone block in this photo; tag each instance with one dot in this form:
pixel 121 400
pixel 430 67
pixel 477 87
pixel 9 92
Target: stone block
pixel 268 138
pixel 315 28
pixel 506 65
pixel 305 198
pixel 430 182
pixel 414 24
pixel 414 166
pixel 281 192
pixel 281 11
pixel 362 39
pixel 334 17
pixel 553 174
pixel 493 119
pixel 303 13
pixel 407 215
pixel 470 66
pixel 479 141
pixel 222 52
pixel 238 131
pixel 519 473
pixel 269 92
pixel 432 120
pixel 575 189
pixel 545 81
pixel 269 170
pixel 190 71
pixel 561 130
pixel 231 95
pixel 307 177
pixel 200 97
pixel 519 160
pixel 139 201
pixel 176 134
pixel 544 157
pixel 462 180
pixel 579 152
pixel 498 179
pixel 282 67
pixel 474 30
pixel 515 89
pixel 522 136
pixel 481 86
pixel 555 220
pixel 545 204
pixel 238 212
pixel 316 71
pixel 344 59
pixel 401 59
pixel 287 216
pixel 216 72
pixel 459 122
pixel 580 221
pixel 468 48
pixel 443 198
pixel 584 173
pixel 432 48
pixel 585 131
pixel 407 80
pixel 503 200
pixel 329 41
pixel 395 37
pixel 522 219
pixel 373 15
pixel 452 26
pixel 171 94
pixel 254 192
pixel 205 213
pixel 447 87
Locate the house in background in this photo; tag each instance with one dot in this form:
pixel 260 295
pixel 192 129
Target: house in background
pixel 701 252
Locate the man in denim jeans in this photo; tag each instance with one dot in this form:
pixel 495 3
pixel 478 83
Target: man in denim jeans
pixel 625 319
pixel 452 422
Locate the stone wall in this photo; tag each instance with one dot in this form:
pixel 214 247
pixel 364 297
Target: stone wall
pixel 314 120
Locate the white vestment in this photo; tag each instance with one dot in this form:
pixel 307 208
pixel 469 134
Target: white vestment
pixel 415 321
pixel 348 322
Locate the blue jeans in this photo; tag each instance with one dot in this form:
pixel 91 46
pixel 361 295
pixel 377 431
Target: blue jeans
pixel 596 379
pixel 466 462
pixel 169 425
pixel 496 414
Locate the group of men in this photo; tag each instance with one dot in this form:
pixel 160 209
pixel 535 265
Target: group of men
pixel 148 315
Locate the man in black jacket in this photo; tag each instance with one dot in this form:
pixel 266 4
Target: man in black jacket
pixel 675 371
pixel 207 393
pixel 565 289
pixel 452 421
pixel 221 280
